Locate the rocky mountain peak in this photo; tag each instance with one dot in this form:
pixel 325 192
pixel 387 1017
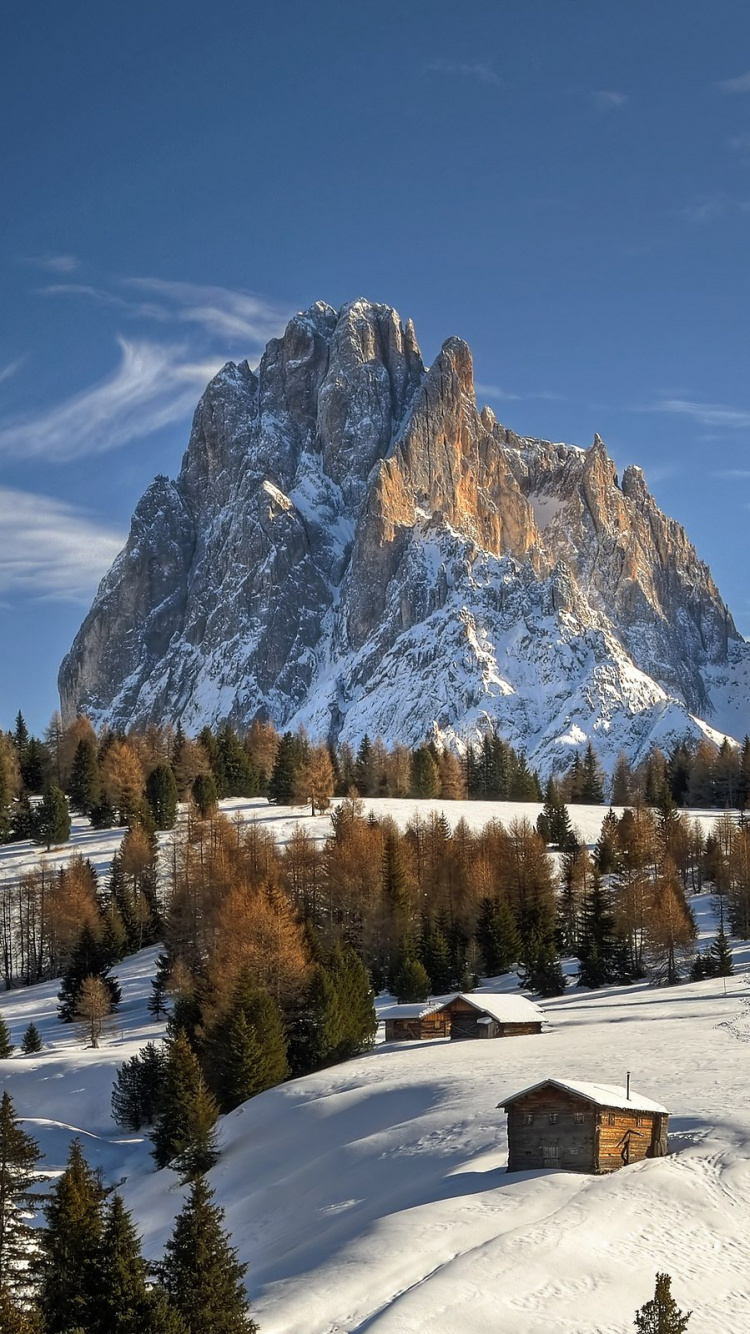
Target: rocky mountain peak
pixel 353 544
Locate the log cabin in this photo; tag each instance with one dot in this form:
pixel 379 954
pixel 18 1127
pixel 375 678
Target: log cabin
pixel 580 1127
pixel 492 1015
pixel 416 1022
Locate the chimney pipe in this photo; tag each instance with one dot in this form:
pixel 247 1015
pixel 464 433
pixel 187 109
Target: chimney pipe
pixel 628 1086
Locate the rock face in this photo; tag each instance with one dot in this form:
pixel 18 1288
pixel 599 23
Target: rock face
pixel 351 544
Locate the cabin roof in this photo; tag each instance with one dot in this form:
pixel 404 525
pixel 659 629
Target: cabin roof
pixel 505 1008
pixel 501 1005
pixel 417 1010
pixel 603 1095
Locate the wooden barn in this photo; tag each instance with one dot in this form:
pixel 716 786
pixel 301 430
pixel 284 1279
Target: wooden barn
pixel 420 1021
pixel 492 1015
pixel 580 1127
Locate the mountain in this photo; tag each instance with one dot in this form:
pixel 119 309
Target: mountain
pixel 353 545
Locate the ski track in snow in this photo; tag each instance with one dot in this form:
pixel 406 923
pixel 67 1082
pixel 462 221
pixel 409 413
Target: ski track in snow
pixel 372 1198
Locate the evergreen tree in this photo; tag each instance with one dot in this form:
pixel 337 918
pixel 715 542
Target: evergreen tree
pixel 544 974
pixel 240 776
pixel 161 794
pixel 71 1248
pixel 103 814
pixel 52 818
pixel 592 779
pixel 19 1155
pixel 315 1029
pixel 356 1002
pixel 436 959
pixel 662 1315
pixel 205 794
pixel 85 786
pixel 87 960
pixel 157 1005
pixel 138 1089
pixel 248 1048
pixel 289 757
pixel 722 955
pixel 496 936
pixel 16 1318
pixel 31 1041
pixel 6 1046
pixel 411 982
pixel 33 761
pixel 121 1302
pixel 601 953
pixel 395 889
pixel 606 851
pixel 20 733
pixel 200 1272
pixel 425 774
pixel 364 770
pixel 184 1136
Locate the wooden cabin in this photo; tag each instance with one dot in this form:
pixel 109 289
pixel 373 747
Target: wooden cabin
pixel 417 1022
pixel 493 1015
pixel 582 1127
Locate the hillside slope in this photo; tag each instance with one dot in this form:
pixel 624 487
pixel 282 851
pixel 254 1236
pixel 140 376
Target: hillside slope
pixel 373 1196
pixel 353 545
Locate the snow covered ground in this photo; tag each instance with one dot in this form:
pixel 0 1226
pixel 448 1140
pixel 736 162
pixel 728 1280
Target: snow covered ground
pixel 374 1197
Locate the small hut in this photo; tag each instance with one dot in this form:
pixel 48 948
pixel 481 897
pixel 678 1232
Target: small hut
pixel 493 1015
pixel 420 1021
pixel 579 1127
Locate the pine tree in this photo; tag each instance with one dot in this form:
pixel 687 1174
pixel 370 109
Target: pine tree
pixel 19 1156
pixel 544 974
pixel 184 1136
pixel 71 1247
pixel 20 733
pixel 395 889
pixel 722 955
pixel 31 1041
pixel 356 1002
pixel 600 952
pixel 425 774
pixel 85 787
pixel 6 1046
pixel 662 1315
pixel 137 1093
pixel 592 782
pixel 161 794
pixel 248 1048
pixel 411 982
pixel 121 1302
pixel 52 818
pixel 240 776
pixel 316 1026
pixel 87 960
pixel 157 1006
pixel 496 936
pixel 435 956
pixel 200 1271
pixel 205 794
pixel 16 1318
pixel 289 757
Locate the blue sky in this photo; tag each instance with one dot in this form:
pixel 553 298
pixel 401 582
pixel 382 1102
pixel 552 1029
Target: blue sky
pixel 565 185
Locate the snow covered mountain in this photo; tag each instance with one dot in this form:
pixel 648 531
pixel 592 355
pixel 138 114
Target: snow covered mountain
pixel 353 545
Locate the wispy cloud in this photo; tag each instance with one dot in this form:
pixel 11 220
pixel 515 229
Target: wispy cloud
pixel 240 319
pixel 607 99
pixel 222 312
pixel 706 414
pixel 481 71
pixel 731 474
pixel 52 549
pixel 739 84
pixel 54 263
pixel 10 369
pixel 493 391
pixel 153 386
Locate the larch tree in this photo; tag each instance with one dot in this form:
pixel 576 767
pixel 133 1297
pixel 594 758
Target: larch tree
pixel 314 782
pixel 92 1013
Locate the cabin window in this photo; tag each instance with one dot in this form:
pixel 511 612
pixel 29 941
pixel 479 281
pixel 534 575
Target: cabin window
pixel 573 1153
pixel 553 1118
pixel 528 1118
pixel 639 1120
pixel 578 1118
pixel 610 1118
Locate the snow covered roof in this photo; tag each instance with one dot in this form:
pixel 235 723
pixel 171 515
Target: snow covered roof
pixel 507 1009
pixel 418 1010
pixel 503 1006
pixel 604 1095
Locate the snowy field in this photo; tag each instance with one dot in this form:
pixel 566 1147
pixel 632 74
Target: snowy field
pixel 374 1197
